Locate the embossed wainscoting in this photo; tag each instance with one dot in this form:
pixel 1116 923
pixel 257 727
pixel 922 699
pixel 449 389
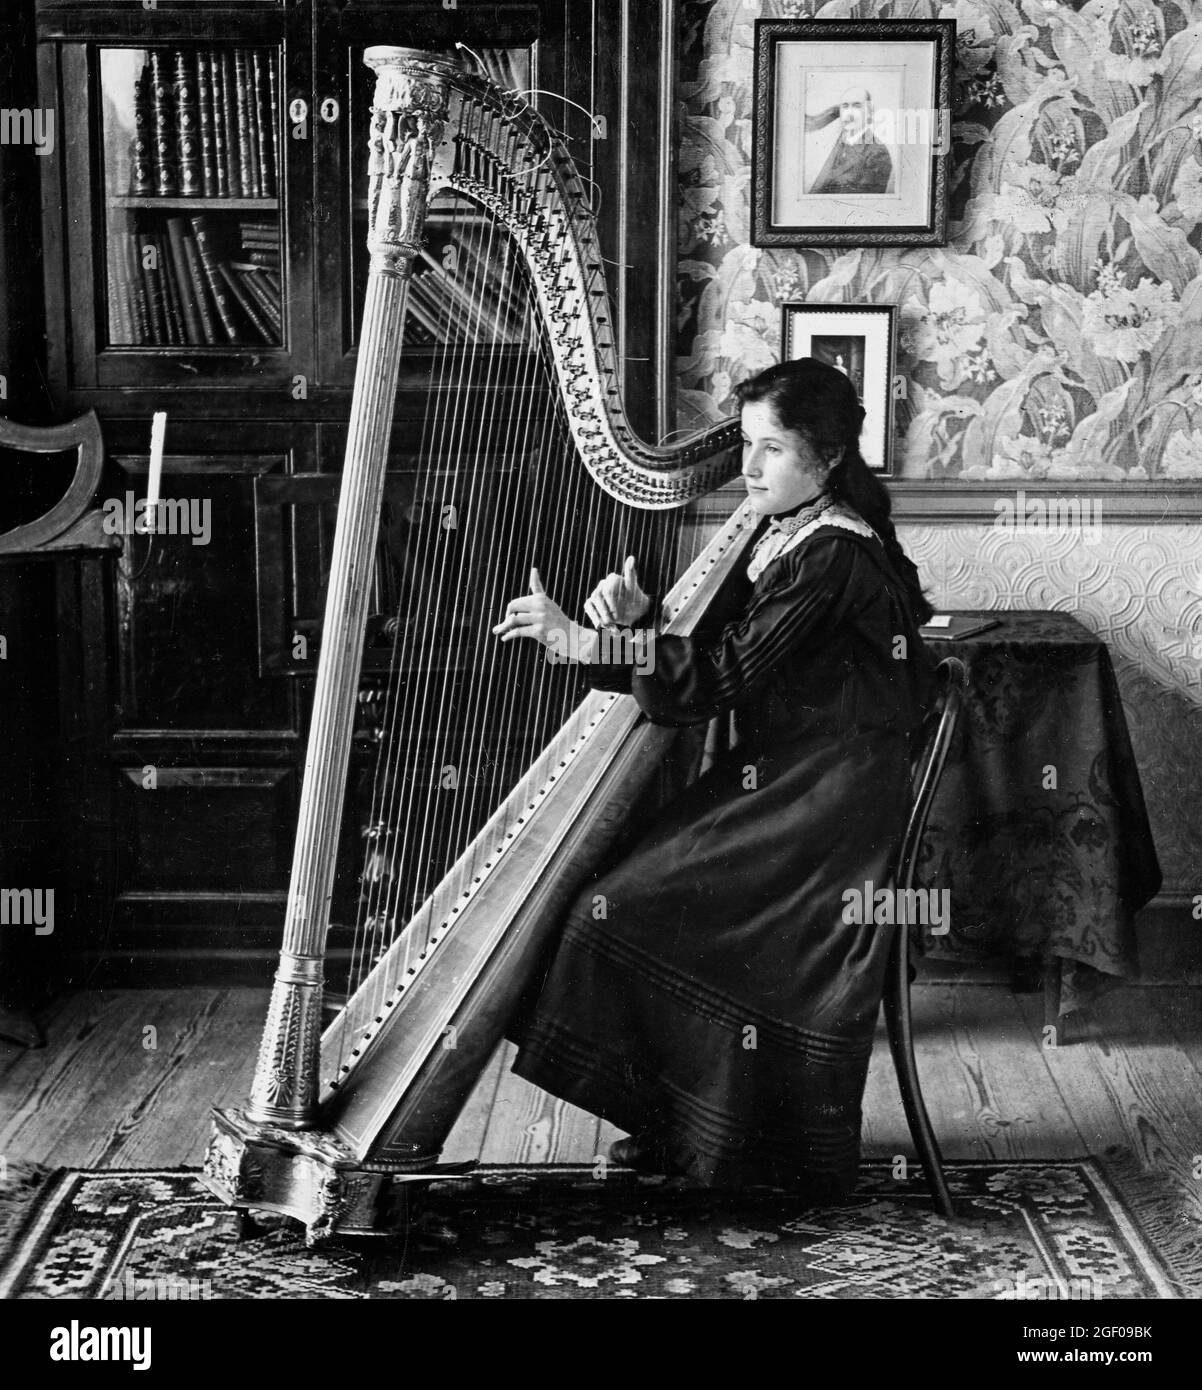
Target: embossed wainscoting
pixel 1140 589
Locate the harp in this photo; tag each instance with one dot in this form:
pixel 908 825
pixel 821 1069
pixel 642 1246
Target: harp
pixel 338 1121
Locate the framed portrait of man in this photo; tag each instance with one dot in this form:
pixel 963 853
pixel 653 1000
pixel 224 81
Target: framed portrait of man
pixel 852 132
pixel 860 340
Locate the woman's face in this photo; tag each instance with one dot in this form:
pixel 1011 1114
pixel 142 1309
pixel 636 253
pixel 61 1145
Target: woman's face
pixel 780 467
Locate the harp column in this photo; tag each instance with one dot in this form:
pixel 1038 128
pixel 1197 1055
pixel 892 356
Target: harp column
pixel 409 112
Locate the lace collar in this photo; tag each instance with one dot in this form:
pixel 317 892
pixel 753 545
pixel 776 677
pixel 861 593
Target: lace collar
pixel 776 541
pixel 792 522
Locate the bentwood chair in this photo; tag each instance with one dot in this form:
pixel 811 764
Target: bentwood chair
pixel 938 731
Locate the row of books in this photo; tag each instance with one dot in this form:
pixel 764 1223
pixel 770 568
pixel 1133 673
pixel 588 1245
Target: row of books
pixel 206 124
pixel 470 303
pixel 175 288
pixel 261 242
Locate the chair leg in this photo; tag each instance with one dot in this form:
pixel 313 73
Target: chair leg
pixel 899 1027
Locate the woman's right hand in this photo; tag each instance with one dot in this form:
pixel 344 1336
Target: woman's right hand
pixel 617 601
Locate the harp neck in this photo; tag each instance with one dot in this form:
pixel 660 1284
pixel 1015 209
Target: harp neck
pixel 436 125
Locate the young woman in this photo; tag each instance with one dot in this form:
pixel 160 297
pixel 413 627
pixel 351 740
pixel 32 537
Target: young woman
pixel 722 1008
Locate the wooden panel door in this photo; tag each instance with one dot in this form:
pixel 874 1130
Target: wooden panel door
pixel 206 738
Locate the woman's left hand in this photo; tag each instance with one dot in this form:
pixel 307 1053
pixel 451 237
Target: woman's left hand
pixel 537 615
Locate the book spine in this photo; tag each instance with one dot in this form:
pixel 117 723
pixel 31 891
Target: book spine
pixel 247 305
pixel 171 303
pixel 209 333
pixel 212 61
pixel 126 322
pixel 204 116
pixel 233 170
pixel 137 292
pixel 478 268
pixel 255 123
pixel 474 318
pixel 177 290
pixel 148 264
pixel 118 292
pixel 420 311
pixel 166 184
pixel 262 296
pixel 176 231
pixel 265 134
pixel 187 127
pixel 212 272
pixel 246 158
pixel 142 182
pixel 273 125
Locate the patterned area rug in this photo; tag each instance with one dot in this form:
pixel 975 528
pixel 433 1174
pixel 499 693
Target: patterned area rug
pixel 1031 1230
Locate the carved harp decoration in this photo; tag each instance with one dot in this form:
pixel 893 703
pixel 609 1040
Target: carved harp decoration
pixel 336 1122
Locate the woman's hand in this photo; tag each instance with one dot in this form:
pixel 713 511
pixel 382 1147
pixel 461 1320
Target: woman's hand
pixel 537 615
pixel 617 601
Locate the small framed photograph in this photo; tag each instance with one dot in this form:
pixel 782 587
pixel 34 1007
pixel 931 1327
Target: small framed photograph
pixel 859 340
pixel 852 132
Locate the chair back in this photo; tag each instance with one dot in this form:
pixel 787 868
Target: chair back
pixel 72 523
pixel 939 728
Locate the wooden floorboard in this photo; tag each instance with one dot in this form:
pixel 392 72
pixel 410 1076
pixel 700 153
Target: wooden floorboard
pixel 12 1055
pixel 527 1125
pixel 1129 1083
pixel 947 1088
pixel 1180 1011
pixel 465 1140
pixel 68 1085
pixel 1016 1109
pixel 211 1045
pixel 97 1096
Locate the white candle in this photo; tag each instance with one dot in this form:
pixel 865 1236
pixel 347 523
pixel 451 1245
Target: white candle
pixel 154 482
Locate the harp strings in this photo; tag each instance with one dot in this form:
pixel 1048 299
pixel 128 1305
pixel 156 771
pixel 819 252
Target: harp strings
pixel 478 506
pixel 391 756
pixel 407 827
pixel 460 706
pixel 429 708
pixel 397 738
pixel 510 509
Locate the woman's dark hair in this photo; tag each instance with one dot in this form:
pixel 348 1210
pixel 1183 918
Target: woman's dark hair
pixel 820 403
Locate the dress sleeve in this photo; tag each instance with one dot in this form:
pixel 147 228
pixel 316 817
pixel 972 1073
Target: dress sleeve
pixel 730 601
pixel 694 678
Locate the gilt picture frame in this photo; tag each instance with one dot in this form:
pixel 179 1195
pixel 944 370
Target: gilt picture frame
pixel 852 132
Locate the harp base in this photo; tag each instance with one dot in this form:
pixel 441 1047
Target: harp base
pixel 312 1177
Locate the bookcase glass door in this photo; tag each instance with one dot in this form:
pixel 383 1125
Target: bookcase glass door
pixel 193 225
pixel 467 290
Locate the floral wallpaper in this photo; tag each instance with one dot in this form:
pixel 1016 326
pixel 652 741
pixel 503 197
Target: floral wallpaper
pixel 1059 333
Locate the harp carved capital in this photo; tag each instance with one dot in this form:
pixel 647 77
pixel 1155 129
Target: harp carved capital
pixel 408 122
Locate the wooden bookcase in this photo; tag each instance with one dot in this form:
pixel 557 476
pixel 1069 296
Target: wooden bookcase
pixel 226 291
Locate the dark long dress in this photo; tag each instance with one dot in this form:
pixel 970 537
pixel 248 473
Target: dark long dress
pixel 706 991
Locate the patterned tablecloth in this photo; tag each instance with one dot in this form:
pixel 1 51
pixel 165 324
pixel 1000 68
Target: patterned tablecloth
pixel 1039 829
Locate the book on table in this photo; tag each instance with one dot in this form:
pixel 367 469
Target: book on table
pixel 954 627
